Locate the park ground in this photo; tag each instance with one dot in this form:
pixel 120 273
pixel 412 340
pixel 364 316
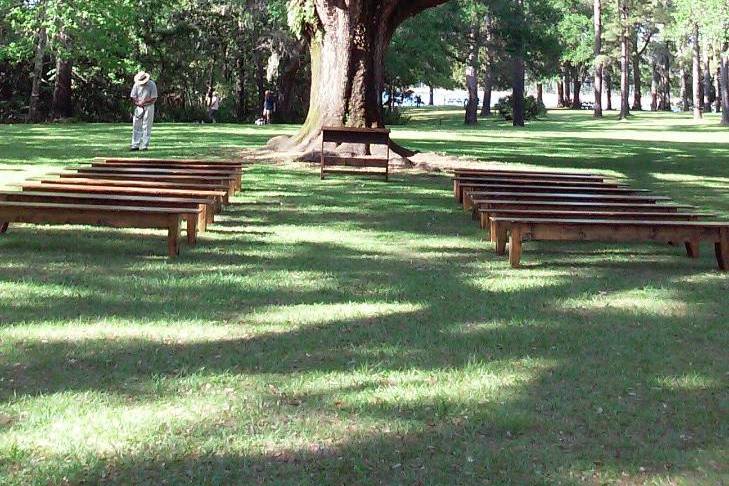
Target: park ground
pixel 351 331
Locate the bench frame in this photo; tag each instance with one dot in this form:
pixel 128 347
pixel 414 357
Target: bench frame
pixel 366 136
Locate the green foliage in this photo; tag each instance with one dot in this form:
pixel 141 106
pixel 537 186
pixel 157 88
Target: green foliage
pixel 533 109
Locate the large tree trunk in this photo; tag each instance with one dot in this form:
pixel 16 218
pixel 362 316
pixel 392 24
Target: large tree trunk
pixel 560 93
pixel 487 90
pixel 707 83
pixel 654 85
pixel 597 83
pixel 666 83
pixel 347 44
pixel 488 68
pixel 608 89
pixel 685 103
pixel 717 85
pixel 566 88
pixel 62 105
pixel 431 96
pixel 517 95
pixel 34 113
pixel 540 93
pixel 577 87
pixel 725 89
pixel 696 72
pixel 472 75
pixel 637 88
pixel 240 87
pixel 624 49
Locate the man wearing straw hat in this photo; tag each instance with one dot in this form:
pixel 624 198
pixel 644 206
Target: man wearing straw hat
pixel 144 94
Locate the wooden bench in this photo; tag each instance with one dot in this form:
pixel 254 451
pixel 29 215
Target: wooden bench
pixel 473 200
pixel 460 183
pixel 520 174
pixel 113 216
pixel 212 174
pixel 486 208
pixel 85 181
pixel 217 197
pixel 516 230
pixel 200 207
pixel 226 183
pixel 366 136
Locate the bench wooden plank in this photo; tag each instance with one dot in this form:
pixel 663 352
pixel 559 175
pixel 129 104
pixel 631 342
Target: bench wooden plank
pixel 354 162
pixel 518 174
pixel 122 160
pixel 460 182
pixel 230 175
pixel 474 199
pixel 355 135
pixel 113 216
pixel 83 181
pixel 549 229
pixel 204 206
pixel 227 183
pixel 216 196
pixel 366 136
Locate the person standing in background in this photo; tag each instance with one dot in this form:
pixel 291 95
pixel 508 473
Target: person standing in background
pixel 213 107
pixel 269 105
pixel 144 96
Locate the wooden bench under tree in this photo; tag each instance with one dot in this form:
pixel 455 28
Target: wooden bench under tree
pixel 461 184
pixel 96 215
pixel 473 200
pixel 204 174
pixel 332 163
pixel 516 230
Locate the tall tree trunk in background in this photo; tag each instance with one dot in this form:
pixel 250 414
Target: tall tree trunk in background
pixel 517 84
pixel 472 75
pixel 666 82
pixel 566 86
pixel 487 90
pixel 717 85
pixel 34 113
pixel 685 103
pixel 431 96
pixel 725 88
pixel 707 83
pixel 637 88
pixel 288 79
pixel 696 72
pixel 624 49
pixel 488 76
pixel 540 93
pixel 241 108
pixel 654 85
pixel 560 93
pixel 576 88
pixel 62 105
pixel 597 82
pixel 608 89
pixel 260 82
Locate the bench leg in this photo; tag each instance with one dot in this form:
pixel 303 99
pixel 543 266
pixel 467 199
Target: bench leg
pixel 483 220
pixel 467 202
pixel 515 246
pixel 692 248
pixel 4 227
pixel 202 222
pixel 173 239
pixel 722 250
pixel 501 236
pixel 456 192
pixel 191 231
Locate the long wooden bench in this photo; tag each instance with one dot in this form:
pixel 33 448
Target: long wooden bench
pixel 212 174
pixel 199 207
pixel 331 162
pixel 217 163
pixel 227 183
pixel 113 216
pixel 217 197
pixel 486 208
pixel 129 183
pixel 460 183
pixel 487 215
pixel 516 230
pixel 518 174
pixel 473 200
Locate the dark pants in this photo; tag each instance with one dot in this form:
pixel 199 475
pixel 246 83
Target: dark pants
pixel 211 115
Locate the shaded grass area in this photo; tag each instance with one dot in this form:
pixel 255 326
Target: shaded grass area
pixel 354 332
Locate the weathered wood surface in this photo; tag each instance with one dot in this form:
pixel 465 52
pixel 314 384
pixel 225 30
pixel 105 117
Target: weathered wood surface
pixel 474 199
pixel 226 183
pixel 97 215
pixel 122 160
pixel 547 229
pixel 460 182
pixel 331 163
pixel 131 183
pixel 203 174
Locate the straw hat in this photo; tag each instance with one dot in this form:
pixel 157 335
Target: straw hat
pixel 141 77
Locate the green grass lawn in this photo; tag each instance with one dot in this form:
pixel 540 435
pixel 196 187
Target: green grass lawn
pixel 350 331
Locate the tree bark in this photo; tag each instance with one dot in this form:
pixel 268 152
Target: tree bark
pixel 487 90
pixel 597 83
pixel 488 68
pixel 624 49
pixel 567 88
pixel 717 86
pixel 472 75
pixel 540 93
pixel 696 73
pixel 34 113
pixel 608 89
pixel 637 88
pixel 431 97
pixel 62 104
pixel 707 83
pixel 517 95
pixel 240 87
pixel 347 43
pixel 654 85
pixel 725 89
pixel 560 94
pixel 576 88
pixel 666 83
pixel 685 103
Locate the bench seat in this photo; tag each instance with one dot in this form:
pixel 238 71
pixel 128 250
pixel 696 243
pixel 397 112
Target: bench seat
pixel 132 160
pixel 204 174
pixel 215 197
pixel 97 215
pixel 460 182
pixel 204 205
pixel 519 174
pixel 516 230
pixel 473 199
pixel 225 183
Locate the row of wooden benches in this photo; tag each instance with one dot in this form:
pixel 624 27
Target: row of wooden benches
pixel 128 193
pixel 515 206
